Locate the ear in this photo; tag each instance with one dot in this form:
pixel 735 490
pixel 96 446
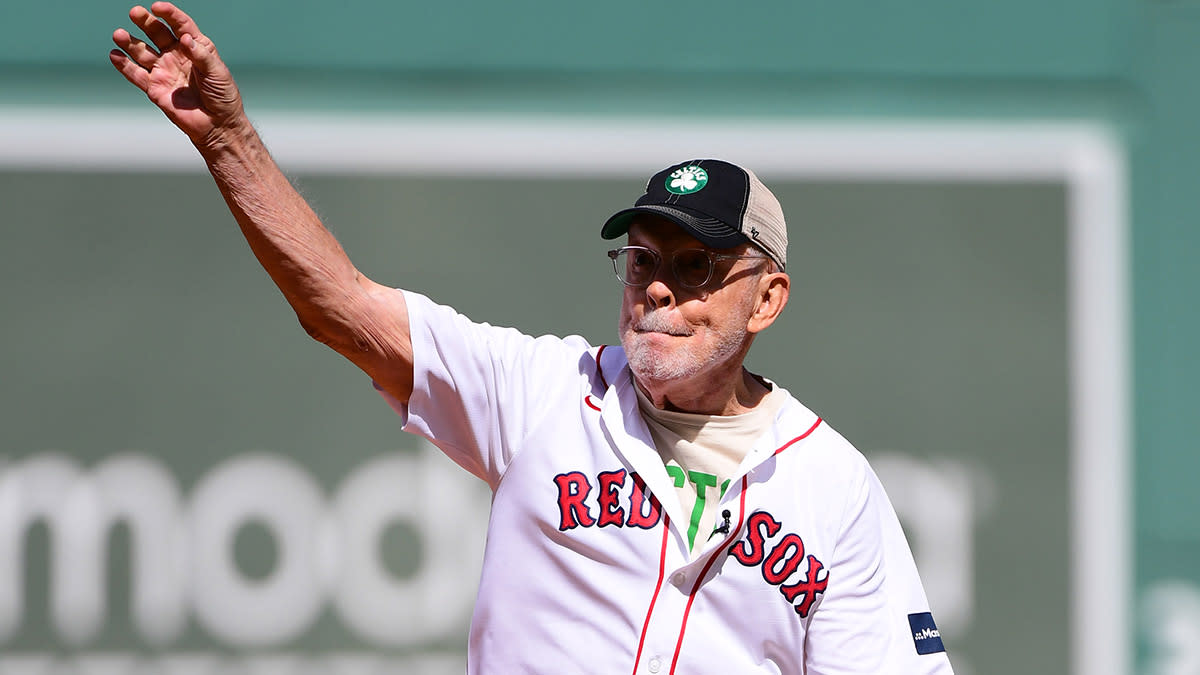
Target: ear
pixel 772 298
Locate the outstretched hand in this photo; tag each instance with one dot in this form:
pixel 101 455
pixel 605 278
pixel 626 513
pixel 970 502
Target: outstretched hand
pixel 180 71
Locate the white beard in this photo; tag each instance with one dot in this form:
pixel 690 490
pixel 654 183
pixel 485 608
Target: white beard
pixel 684 361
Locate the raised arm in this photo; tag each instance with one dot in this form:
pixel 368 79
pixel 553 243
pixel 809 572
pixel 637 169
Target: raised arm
pixel 180 71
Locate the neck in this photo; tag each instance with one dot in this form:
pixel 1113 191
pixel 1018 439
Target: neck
pixel 730 393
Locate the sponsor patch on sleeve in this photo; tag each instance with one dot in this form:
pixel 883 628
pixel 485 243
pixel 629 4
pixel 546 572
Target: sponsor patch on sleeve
pixel 925 633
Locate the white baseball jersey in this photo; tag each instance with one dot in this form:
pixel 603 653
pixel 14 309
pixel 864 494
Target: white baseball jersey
pixel 587 570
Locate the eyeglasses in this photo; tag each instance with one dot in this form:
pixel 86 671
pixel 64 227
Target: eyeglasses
pixel 636 266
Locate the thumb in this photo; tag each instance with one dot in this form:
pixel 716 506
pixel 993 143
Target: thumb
pixel 202 53
pixel 212 77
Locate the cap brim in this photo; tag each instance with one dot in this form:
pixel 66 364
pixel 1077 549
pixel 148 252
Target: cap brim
pixel 709 231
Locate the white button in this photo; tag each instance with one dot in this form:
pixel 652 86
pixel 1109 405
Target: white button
pixel 678 578
pixel 655 664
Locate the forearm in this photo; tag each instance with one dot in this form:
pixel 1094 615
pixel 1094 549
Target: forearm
pixel 297 251
pixel 185 77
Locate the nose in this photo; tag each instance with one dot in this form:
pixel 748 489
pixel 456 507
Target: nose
pixel 659 294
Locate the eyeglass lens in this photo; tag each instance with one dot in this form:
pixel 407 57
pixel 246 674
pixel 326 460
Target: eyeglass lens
pixel 637 266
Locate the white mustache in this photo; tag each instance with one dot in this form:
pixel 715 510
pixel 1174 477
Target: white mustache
pixel 658 321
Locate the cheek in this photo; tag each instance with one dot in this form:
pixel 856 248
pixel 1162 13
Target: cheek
pixel 696 310
pixel 625 314
pixel 714 316
pixel 632 299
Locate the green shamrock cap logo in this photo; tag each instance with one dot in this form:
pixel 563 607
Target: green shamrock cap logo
pixel 686 180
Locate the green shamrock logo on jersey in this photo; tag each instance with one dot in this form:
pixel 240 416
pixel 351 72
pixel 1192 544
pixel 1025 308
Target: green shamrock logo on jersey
pixel 687 180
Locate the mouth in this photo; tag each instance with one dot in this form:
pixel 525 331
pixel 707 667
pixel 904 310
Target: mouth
pixel 657 323
pixel 672 333
pixel 659 332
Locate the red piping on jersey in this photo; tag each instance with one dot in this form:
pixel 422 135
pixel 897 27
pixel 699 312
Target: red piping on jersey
pixel 662 568
pixel 603 382
pixel 721 549
pixel 801 437
pixel 599 370
pixel 703 573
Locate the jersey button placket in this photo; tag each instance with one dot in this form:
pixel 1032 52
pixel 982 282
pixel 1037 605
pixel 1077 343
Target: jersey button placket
pixel 667 618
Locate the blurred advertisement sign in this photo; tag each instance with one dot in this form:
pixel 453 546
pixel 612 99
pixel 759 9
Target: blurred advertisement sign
pixel 957 312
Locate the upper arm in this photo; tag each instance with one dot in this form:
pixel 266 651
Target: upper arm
pixel 862 622
pixel 848 630
pixel 479 390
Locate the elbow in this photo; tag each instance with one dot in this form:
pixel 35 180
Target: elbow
pixel 345 342
pixel 316 331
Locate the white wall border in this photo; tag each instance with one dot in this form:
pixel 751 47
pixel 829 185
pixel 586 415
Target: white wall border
pixel 1085 156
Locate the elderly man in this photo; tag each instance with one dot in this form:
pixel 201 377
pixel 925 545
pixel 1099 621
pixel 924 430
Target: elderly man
pixel 657 507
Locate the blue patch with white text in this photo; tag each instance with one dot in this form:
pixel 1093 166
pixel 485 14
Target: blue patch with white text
pixel 925 633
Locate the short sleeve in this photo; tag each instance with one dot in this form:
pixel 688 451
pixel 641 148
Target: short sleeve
pixel 864 622
pixel 479 389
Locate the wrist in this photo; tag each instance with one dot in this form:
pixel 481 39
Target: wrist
pixel 236 137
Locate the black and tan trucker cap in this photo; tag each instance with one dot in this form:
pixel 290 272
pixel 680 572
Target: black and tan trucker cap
pixel 718 203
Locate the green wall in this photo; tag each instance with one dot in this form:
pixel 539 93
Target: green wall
pixel 1070 39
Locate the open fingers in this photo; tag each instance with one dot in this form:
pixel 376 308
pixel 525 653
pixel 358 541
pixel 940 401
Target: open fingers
pixel 176 18
pixel 154 29
pixel 133 72
pixel 137 50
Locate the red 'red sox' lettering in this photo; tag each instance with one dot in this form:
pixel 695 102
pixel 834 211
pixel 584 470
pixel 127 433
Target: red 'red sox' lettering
pixel 644 509
pixel 575 501
pixel 610 484
pixel 573 489
pixel 783 560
